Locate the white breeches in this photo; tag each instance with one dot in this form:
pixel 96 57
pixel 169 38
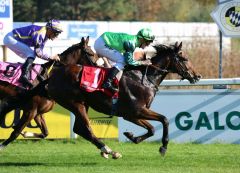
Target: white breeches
pixel 103 50
pixel 18 47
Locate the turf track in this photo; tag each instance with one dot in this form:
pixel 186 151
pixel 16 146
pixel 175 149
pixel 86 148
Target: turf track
pixel 62 156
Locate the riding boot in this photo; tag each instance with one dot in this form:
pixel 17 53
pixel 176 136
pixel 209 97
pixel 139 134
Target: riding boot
pixel 108 83
pixel 25 72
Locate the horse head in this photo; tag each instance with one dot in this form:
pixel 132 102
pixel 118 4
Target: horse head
pixel 80 53
pixel 173 59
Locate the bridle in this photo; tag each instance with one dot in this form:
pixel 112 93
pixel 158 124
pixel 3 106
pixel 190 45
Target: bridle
pixel 181 67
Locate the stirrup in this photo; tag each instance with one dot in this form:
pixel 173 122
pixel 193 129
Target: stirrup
pixel 109 86
pixel 106 85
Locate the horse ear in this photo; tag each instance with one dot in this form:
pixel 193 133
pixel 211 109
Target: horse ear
pixel 87 40
pixel 180 46
pixel 82 40
pixel 176 44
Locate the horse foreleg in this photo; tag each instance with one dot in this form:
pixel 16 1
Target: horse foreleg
pixel 24 120
pixel 82 127
pixel 151 115
pixel 142 123
pixel 42 125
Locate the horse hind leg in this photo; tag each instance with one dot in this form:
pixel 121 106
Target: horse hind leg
pixel 40 121
pixel 144 124
pixel 24 120
pixel 41 124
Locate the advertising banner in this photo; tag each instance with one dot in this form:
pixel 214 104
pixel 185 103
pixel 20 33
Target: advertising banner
pixel 227 17
pixel 103 126
pixel 6 18
pixel 58 124
pixel 200 116
pixel 57 120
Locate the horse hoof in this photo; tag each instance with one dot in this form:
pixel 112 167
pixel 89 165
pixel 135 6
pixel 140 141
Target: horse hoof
pixel 162 151
pixel 104 155
pixel 28 135
pixel 129 135
pixel 116 155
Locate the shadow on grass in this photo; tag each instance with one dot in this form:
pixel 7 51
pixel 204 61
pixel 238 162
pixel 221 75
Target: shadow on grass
pixel 25 164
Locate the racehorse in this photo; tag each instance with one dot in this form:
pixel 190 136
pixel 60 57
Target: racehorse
pixel 137 89
pixel 39 104
pixel 45 105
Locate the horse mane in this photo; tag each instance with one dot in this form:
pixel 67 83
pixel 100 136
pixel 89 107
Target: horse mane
pixel 154 51
pixel 71 49
pixel 162 47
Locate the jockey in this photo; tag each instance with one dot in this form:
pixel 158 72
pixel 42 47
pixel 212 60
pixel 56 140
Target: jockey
pixel 20 41
pixel 119 48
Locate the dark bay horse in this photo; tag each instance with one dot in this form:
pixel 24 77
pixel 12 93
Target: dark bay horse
pixel 40 103
pixel 137 89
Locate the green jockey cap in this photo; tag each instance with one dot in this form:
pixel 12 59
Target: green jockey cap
pixel 146 34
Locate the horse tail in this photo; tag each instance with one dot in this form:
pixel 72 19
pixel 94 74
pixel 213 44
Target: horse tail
pixel 14 102
pixel 8 104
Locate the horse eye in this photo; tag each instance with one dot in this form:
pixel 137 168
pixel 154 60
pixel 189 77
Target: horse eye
pixel 180 53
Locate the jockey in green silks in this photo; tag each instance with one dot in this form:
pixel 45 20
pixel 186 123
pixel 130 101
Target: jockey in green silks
pixel 119 48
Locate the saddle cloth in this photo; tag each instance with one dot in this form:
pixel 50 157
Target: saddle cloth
pixel 11 72
pixel 92 79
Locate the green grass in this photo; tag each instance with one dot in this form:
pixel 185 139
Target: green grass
pixel 61 156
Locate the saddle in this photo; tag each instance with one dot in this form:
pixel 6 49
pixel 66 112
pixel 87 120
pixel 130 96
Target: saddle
pixel 92 78
pixel 11 72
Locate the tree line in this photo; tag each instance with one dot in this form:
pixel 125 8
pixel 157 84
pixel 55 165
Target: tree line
pixel 113 10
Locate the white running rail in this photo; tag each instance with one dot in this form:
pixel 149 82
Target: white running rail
pixel 202 82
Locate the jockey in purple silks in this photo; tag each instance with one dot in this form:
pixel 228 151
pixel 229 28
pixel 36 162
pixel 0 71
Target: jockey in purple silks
pixel 22 40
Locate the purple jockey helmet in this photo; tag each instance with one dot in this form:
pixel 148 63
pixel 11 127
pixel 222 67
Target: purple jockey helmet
pixel 54 25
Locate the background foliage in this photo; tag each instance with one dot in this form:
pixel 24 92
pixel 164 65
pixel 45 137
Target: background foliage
pixel 112 10
pixel 206 55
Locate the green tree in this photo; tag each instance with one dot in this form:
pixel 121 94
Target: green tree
pixel 114 10
pixel 24 10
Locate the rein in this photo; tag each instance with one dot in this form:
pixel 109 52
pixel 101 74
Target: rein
pixel 163 71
